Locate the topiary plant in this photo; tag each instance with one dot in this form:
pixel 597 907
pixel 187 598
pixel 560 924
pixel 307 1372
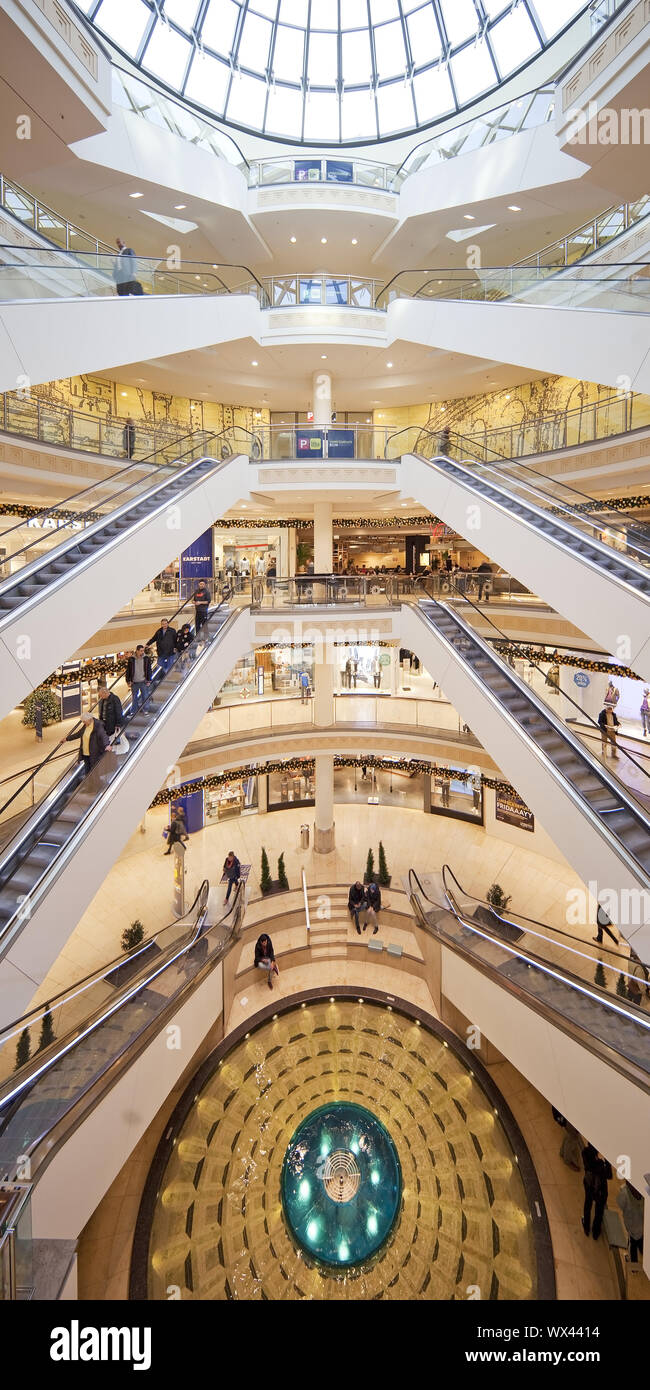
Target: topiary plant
pixel 266 882
pixel 370 867
pixel 132 936
pixel 283 881
pixel 47 1034
pixel 497 898
pixel 621 986
pixel 50 708
pixel 599 976
pixel 383 874
pixel 23 1049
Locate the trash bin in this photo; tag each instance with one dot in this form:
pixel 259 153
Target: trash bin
pixel 304 837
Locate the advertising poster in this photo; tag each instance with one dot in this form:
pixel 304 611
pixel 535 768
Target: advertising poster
pixel 513 811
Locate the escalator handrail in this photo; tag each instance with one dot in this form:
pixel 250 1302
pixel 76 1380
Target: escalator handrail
pixel 588 718
pixel 105 518
pixel 71 991
pixel 620 848
pixel 544 927
pixel 13 1098
pixel 600 996
pixel 469 465
pixel 148 262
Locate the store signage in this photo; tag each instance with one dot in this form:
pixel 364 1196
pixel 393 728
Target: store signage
pixel 513 811
pixel 196 562
pixel 582 679
pixel 309 442
pixel 384 659
pixel 51 523
pixel 340 444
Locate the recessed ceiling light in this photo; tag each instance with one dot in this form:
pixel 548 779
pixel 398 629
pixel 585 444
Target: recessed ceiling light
pixel 254 364
pixel 122 393
pixel 323 241
pixel 136 195
pixel 355 241
pixel 469 217
pixel 389 364
pixel 513 208
pixel 323 357
pixel 293 238
pixel 507 397
pixel 178 207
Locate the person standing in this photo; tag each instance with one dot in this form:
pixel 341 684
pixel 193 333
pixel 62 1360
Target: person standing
pixel 645 711
pixel 201 599
pixel 138 677
pixel 124 270
pixel 612 696
pixel 265 957
pixel 110 710
pixel 165 643
pixel 598 1173
pixel 485 573
pixel 232 871
pixel 609 723
pixel 373 904
pixel 93 741
pixel 631 1203
pixel 128 438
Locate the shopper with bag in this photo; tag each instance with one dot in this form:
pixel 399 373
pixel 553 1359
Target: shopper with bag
pixel 110 712
pixel 177 831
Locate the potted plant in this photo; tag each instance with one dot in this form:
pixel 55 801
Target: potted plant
pixel 132 936
pixel 302 554
pixel 621 986
pixel 383 876
pixel 497 898
pixel 47 1034
pixel 266 882
pixel 369 876
pixel 599 976
pixel 23 1049
pixel 283 882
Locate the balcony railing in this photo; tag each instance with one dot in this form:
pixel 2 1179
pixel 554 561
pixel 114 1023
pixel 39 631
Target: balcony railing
pixel 35 272
pixel 314 287
pixel 590 237
pixel 41 219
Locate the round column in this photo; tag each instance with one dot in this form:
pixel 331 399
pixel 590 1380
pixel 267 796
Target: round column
pixel 322 399
pixel 323 694
pixel 323 538
pixel 324 809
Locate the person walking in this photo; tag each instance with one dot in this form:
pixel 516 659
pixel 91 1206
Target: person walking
pixel 598 1173
pixel 138 677
pixel 631 1204
pixel 165 642
pixel 603 924
pixel 355 900
pixel 184 640
pixel 232 871
pixel 609 723
pixel 645 711
pixel 177 829
pixel 265 957
pixel 201 599
pixel 305 687
pixel 124 270
pixel 110 711
pixel 373 904
pixel 485 573
pixel 128 438
pixel 93 741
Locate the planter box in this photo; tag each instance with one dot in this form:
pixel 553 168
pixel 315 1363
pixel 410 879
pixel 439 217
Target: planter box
pixel 275 888
pixel 375 879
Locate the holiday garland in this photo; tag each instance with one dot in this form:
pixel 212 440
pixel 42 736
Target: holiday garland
pixel 534 653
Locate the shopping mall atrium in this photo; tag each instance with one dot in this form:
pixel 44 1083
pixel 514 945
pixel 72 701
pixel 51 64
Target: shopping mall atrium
pixel 325 575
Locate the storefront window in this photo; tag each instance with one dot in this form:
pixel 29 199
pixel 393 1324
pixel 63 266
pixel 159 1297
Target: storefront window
pixel 460 799
pixel 290 789
pixel 383 786
pixel 235 798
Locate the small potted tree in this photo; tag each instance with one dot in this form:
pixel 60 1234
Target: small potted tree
pixel 266 882
pixel 383 876
pixel 492 915
pixel 369 876
pixel 497 898
pixel 23 1049
pixel 47 1034
pixel 283 882
pixel 132 936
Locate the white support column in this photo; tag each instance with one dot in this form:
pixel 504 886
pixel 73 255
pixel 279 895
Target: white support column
pixel 323 694
pixel 322 399
pixel 323 538
pixel 324 810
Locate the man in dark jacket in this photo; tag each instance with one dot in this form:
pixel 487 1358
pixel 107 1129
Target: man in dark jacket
pixel 232 871
pixel 355 899
pixel 608 727
pixel 110 710
pixel 598 1172
pixel 138 676
pixel 265 957
pixel 94 741
pixel 165 641
pixel 201 597
pixel 373 903
pixel 177 829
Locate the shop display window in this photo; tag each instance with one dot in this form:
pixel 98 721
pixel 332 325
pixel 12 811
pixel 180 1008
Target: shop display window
pixel 236 798
pixel 290 789
pixel 460 799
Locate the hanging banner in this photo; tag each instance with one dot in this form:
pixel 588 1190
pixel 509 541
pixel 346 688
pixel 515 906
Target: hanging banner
pixel 196 562
pixel 513 811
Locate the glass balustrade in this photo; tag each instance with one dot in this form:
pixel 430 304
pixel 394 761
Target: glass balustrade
pixel 49 273
pixel 620 288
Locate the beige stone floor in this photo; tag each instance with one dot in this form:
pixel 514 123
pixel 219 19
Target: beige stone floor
pixel 140 883
pixel 583 1266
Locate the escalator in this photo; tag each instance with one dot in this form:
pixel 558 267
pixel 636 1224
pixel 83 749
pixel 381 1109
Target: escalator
pixel 58 1060
pixel 600 825
pixel 124 531
pixel 545 533
pixel 51 869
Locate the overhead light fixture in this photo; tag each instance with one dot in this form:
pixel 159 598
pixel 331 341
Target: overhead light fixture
pixel 512 207
pixel 255 364
pixel 323 241
pixel 136 195
pixel 293 238
pixel 323 357
pixel 389 364
pixel 178 207
pixel 469 217
pixel 123 393
pixel 355 241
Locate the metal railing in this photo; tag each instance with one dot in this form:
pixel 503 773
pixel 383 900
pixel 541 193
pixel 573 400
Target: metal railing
pixel 362 173
pixel 330 590
pixel 141 97
pixel 561 429
pixel 45 222
pixel 622 287
pixel 35 272
pixel 523 113
pixel 35 417
pixel 315 287
pixel 590 236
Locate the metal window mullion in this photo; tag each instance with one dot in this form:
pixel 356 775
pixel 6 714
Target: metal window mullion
pixel 147 34
pixel 539 32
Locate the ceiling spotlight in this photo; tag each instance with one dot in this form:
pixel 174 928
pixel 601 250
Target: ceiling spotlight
pixel 122 393
pixel 512 207
pixel 255 364
pixel 355 241
pixel 389 364
pixel 293 238
pixel 469 217
pixel 323 357
pixel 136 195
pixel 323 241
pixel 178 207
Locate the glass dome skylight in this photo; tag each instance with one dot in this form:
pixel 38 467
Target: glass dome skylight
pixel 331 71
